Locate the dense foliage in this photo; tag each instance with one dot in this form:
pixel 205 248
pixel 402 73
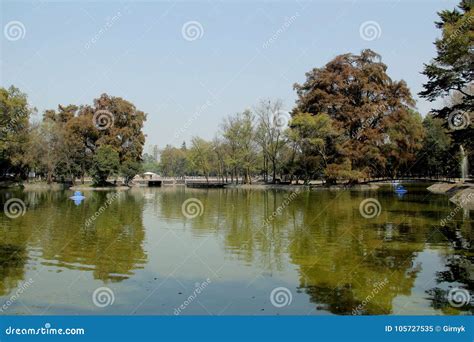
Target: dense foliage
pixel 378 132
pixel 71 142
pixel 351 122
pixel 450 74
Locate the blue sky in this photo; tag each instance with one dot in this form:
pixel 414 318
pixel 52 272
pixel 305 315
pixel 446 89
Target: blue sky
pixel 70 52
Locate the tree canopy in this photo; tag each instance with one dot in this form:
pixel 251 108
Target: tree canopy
pixel 373 114
pixel 14 125
pixel 99 140
pixel 351 121
pixel 450 73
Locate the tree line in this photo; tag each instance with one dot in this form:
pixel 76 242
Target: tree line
pixel 351 121
pixel 99 140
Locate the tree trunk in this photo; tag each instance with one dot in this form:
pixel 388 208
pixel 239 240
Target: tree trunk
pixel 274 170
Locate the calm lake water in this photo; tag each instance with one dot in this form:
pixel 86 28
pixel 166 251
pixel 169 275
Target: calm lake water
pixel 144 253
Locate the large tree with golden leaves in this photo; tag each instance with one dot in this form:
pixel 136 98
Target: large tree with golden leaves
pixel 379 131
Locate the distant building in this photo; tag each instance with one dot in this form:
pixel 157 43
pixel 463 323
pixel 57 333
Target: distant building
pixel 156 153
pixel 150 175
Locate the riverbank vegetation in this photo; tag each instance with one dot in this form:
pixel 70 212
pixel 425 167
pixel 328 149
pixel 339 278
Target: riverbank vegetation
pixel 351 122
pixel 71 142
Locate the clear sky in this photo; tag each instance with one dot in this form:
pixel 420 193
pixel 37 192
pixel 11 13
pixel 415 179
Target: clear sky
pixel 189 64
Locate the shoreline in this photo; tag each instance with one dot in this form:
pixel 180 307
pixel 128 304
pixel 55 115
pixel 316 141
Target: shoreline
pixel 98 188
pixel 311 187
pixel 435 188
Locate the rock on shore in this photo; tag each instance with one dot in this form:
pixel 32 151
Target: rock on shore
pixel 462 194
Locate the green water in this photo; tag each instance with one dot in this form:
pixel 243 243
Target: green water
pixel 152 258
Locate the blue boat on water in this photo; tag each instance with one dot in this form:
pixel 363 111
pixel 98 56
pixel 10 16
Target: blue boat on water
pixel 78 197
pixel 400 189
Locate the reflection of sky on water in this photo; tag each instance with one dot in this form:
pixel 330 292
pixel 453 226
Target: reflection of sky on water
pixel 319 247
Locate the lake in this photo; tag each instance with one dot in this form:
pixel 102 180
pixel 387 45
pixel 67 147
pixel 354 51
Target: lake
pixel 180 251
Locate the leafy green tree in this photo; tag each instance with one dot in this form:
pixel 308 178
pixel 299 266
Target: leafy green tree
pixel 45 149
pixel 239 135
pixel 111 121
pixel 201 156
pixel 70 151
pixel 269 133
pixel 404 138
pixel 173 161
pixel 149 163
pixel 434 158
pixel 130 168
pixel 122 129
pixel 14 125
pixel 312 136
pixel 220 149
pixel 450 72
pixel 106 162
